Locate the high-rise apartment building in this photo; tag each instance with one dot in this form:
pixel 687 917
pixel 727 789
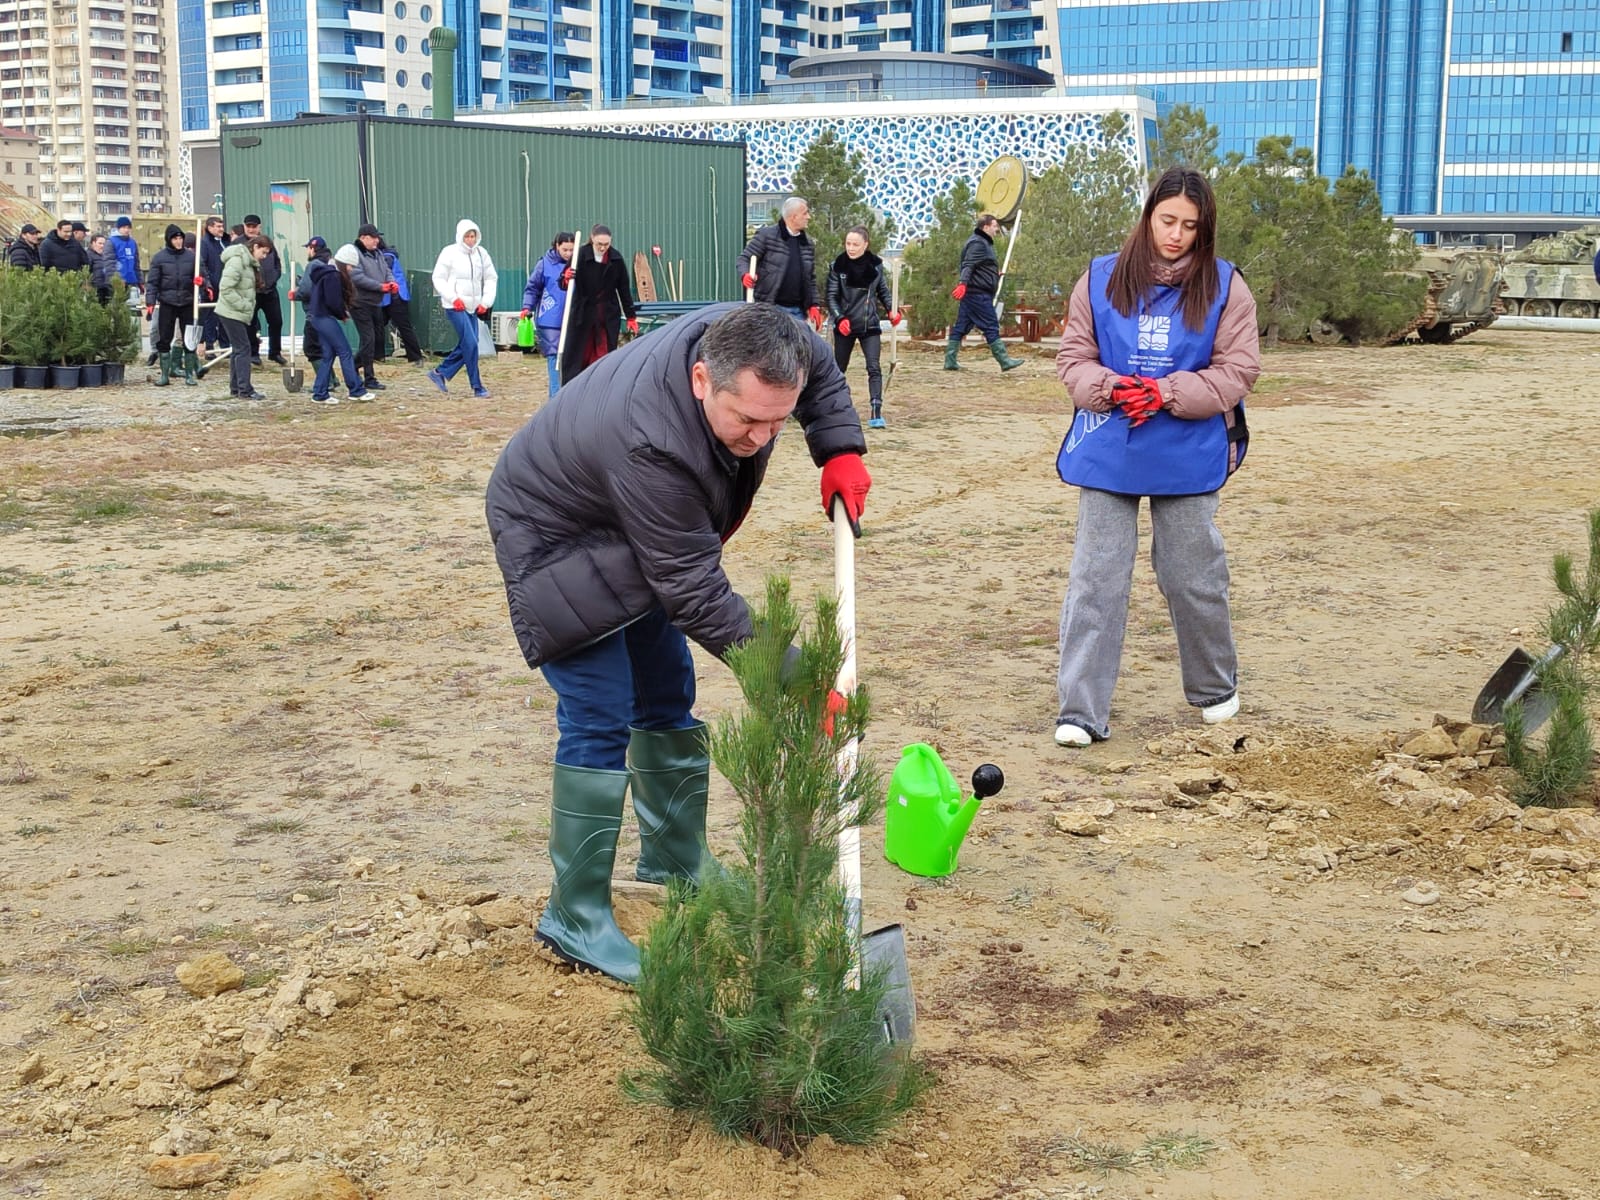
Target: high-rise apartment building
pixel 90 80
pixel 1455 106
pixel 247 60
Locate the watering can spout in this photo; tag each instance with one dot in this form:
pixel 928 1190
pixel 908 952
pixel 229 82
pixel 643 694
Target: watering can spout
pixel 927 817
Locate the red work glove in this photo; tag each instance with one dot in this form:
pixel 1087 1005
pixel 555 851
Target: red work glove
pixel 149 311
pixel 843 327
pixel 958 291
pixel 748 280
pixel 894 317
pixel 460 305
pixel 199 279
pixel 633 324
pixel 481 310
pixel 392 288
pixel 566 276
pixel 845 476
pixel 524 314
pixel 814 315
pixel 1138 397
pixel 836 704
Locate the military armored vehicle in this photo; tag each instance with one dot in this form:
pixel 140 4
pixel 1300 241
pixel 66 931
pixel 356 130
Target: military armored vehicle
pixel 1463 295
pixel 1554 276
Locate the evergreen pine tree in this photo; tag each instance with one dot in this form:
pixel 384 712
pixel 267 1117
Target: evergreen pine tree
pixel 935 261
pixel 743 998
pixel 1554 775
pixel 831 178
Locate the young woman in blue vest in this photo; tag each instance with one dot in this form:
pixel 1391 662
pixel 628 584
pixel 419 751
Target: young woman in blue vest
pixel 1159 352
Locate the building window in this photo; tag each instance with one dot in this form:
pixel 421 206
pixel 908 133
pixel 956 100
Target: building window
pixel 426 14
pixel 401 79
pixel 427 80
pixel 402 110
pixel 400 10
pixel 247 41
pixel 1566 43
pixel 400 44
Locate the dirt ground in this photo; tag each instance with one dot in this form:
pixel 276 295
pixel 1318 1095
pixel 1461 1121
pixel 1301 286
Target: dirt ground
pixel 259 697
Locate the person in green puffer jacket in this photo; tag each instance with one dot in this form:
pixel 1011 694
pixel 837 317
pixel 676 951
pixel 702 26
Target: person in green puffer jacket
pixel 236 308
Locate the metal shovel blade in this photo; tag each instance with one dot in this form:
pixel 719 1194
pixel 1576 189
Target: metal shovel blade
pixel 293 379
pixel 1517 679
pixel 885 950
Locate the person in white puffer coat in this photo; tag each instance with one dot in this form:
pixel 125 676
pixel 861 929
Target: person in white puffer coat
pixel 465 279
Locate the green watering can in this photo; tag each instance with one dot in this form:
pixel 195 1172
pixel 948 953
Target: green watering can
pixel 527 335
pixel 926 815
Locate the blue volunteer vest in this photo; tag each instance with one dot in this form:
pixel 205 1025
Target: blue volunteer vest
pixel 1165 456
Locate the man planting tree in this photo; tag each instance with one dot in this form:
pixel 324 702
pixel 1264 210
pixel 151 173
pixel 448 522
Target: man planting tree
pixel 609 510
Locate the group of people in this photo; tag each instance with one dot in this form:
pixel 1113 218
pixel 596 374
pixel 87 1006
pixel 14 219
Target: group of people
pixel 592 296
pixel 610 508
pixel 71 247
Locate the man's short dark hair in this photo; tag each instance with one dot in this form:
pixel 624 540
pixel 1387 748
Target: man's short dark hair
pixel 67 221
pixel 756 337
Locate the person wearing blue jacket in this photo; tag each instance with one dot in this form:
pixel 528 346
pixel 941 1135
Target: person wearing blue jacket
pixel 127 252
pixel 327 293
pixel 396 309
pixel 544 299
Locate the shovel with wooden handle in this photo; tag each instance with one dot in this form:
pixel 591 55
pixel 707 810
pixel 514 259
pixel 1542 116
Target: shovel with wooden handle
pixel 293 377
pixel 750 292
pixel 566 303
pixel 882 950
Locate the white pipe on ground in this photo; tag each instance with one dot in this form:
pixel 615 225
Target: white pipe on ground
pixel 1550 324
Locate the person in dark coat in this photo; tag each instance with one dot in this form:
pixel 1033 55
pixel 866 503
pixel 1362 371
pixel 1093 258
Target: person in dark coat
pixel 858 299
pixel 779 264
pixel 374 284
pixel 209 256
pixel 310 344
pixel 24 252
pixel 601 295
pixel 102 267
pixel 327 290
pixel 975 292
pixel 397 308
pixel 60 251
pixel 169 286
pixel 268 306
pixel 608 511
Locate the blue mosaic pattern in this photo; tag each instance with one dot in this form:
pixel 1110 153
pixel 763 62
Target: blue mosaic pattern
pixel 910 161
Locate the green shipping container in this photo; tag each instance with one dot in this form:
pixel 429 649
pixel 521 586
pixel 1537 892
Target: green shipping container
pixel 415 179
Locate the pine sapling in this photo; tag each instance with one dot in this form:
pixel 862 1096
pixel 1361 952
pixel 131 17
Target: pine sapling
pixel 1554 775
pixel 743 998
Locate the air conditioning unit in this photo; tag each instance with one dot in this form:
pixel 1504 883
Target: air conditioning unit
pixel 504 328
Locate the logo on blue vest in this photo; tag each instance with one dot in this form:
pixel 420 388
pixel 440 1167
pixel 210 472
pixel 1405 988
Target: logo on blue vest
pixel 1154 331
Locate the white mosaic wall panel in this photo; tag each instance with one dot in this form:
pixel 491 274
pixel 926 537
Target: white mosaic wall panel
pixel 910 160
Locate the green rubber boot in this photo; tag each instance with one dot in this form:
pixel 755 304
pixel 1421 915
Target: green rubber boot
pixel 191 364
pixel 951 349
pixel 670 770
pixel 164 364
pixel 1007 363
pixel 578 925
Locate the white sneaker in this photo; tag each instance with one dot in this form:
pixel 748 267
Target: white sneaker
pixel 1072 735
pixel 1216 714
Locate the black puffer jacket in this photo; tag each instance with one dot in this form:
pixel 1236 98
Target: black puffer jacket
pixel 170 279
pixel 616 497
pixel 23 255
pixel 771 245
pixel 853 286
pixel 62 254
pixel 980 266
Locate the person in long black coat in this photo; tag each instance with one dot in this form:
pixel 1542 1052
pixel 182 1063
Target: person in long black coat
pixel 603 295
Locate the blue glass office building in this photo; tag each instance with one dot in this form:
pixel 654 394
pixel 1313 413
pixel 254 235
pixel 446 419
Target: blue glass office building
pixel 1453 106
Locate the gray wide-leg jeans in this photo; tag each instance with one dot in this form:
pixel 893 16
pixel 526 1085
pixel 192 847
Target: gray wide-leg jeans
pixel 1191 568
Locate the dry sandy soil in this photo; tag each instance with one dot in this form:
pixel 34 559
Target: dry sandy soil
pixel 259 697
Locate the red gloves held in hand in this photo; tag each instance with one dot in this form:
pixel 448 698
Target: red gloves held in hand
pixel 1137 396
pixel 525 314
pixel 149 311
pixel 392 288
pixel 958 291
pixel 894 317
pixel 845 476
pixel 566 276
pixel 748 280
pixel 460 305
pixel 836 704
pixel 481 310
pixel 633 324
pixel 199 280
pixel 814 315
pixel 843 326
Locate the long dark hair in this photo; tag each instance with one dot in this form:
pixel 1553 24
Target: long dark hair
pixel 347 285
pixel 1133 277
